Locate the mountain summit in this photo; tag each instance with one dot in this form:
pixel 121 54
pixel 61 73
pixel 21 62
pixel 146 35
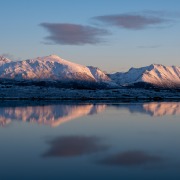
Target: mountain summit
pixel 155 75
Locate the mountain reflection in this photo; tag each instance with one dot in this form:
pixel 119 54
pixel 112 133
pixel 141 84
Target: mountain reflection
pixel 55 115
pixel 152 108
pixel 163 108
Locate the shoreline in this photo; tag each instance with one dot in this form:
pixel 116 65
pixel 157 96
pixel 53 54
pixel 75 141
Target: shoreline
pixel 87 100
pixel 153 99
pixel 36 93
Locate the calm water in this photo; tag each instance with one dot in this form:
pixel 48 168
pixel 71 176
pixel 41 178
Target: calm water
pixel 90 141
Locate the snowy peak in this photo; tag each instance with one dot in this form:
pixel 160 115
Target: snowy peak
pixel 164 76
pixel 65 67
pixel 54 58
pixel 155 74
pixel 4 60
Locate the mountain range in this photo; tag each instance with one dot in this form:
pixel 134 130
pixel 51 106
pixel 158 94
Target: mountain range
pixel 54 68
pixel 55 115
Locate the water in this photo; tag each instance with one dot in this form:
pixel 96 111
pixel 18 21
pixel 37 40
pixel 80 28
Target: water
pixel 90 141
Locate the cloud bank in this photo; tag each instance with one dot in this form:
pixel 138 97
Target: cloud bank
pixel 131 21
pixel 73 34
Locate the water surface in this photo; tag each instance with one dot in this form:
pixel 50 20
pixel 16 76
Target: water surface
pixel 90 141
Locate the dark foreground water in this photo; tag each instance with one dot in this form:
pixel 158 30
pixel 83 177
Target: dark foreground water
pixel 90 141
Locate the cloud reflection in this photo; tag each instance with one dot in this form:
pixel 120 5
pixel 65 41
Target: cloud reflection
pixel 131 158
pixel 69 146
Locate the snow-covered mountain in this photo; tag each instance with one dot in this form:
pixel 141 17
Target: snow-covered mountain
pixel 155 74
pixel 55 68
pixel 49 68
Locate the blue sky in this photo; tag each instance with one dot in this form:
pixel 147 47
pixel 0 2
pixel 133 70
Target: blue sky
pixel 111 34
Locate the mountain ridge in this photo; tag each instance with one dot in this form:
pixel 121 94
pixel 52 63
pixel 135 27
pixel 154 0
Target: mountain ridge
pixel 46 68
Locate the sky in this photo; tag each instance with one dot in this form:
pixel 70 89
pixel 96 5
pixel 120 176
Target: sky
pixel 113 35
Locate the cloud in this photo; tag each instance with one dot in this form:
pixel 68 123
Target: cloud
pixel 130 158
pixel 70 146
pixel 134 21
pixel 73 34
